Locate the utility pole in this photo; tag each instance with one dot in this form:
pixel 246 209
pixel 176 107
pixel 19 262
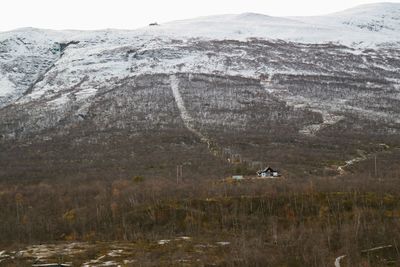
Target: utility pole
pixel 179 173
pixel 376 171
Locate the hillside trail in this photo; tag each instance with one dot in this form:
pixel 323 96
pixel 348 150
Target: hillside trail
pixel 187 119
pixel 363 156
pixel 215 149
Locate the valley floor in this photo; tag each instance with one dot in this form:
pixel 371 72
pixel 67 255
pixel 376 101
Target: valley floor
pixel 349 220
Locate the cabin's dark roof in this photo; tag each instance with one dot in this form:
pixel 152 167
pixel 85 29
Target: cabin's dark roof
pixel 268 169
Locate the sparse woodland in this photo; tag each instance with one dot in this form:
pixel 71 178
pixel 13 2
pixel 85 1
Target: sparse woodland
pixel 288 222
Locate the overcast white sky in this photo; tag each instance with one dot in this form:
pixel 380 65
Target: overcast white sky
pixel 130 14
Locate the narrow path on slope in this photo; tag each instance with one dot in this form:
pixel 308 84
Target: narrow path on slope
pixel 362 156
pixel 225 153
pixel 189 122
pixel 341 169
pixel 187 119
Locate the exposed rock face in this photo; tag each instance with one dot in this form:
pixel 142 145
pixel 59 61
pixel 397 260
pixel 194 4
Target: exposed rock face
pixel 102 103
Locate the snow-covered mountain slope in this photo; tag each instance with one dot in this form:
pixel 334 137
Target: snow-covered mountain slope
pixel 27 54
pixel 373 17
pixel 365 25
pixel 242 83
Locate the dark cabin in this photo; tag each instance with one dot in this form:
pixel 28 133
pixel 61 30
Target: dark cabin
pixel 268 172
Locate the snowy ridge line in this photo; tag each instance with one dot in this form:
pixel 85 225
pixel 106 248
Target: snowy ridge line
pixel 370 25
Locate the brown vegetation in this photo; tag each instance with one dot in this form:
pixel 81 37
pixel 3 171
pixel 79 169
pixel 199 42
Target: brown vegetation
pixel 275 223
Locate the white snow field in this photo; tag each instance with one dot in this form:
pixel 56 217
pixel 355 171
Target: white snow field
pixel 27 53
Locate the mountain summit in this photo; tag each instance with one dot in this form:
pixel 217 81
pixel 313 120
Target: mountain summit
pixel 366 24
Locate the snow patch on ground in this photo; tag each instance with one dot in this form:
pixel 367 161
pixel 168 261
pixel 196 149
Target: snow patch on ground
pixel 85 93
pixel 338 259
pixel 186 238
pixel 223 243
pixel 362 156
pixel 6 87
pixel 163 241
pixel 328 119
pixel 59 102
